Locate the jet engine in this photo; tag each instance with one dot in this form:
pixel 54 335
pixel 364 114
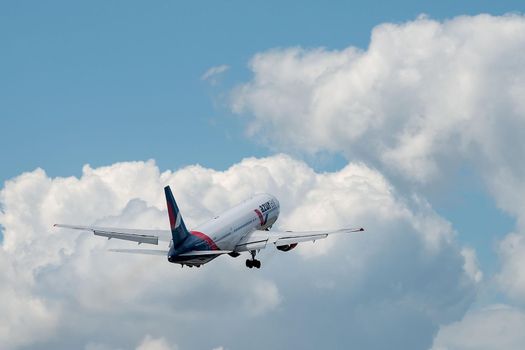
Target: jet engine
pixel 287 247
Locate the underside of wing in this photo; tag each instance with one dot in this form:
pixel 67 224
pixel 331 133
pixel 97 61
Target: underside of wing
pixel 205 252
pixel 261 239
pixel 163 253
pixel 291 237
pixel 134 235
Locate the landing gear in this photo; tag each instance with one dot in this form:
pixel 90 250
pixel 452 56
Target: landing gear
pixel 253 262
pixel 190 265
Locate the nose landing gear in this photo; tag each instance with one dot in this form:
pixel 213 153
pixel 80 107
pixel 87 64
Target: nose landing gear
pixel 253 262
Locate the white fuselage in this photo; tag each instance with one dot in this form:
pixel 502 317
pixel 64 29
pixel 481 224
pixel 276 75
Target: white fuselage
pixel 230 227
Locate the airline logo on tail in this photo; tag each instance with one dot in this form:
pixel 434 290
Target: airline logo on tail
pixel 174 223
pixel 178 229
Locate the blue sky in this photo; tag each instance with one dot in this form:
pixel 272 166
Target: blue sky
pixel 105 82
pixel 121 80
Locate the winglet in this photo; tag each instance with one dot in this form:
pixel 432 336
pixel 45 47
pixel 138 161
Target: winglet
pixel 353 229
pixel 179 231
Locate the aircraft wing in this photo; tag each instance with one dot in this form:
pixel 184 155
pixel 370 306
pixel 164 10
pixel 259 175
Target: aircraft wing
pixel 261 239
pixel 139 236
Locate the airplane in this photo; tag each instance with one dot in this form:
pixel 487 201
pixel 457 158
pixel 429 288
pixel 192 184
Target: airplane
pixel 243 228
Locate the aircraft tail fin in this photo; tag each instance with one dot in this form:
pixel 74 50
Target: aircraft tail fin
pixel 179 231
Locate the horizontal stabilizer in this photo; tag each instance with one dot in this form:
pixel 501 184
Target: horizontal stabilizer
pixel 205 252
pixel 141 251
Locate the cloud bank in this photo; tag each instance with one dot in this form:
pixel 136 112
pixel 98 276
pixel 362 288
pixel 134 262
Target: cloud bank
pixel 424 99
pixel 423 92
pixel 495 327
pixel 405 272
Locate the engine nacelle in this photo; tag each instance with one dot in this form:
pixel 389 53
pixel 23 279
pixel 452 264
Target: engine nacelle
pixel 287 247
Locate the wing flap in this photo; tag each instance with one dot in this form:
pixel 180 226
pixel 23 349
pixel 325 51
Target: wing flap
pixel 252 245
pixel 293 240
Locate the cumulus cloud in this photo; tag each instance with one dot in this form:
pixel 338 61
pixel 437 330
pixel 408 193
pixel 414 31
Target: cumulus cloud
pixel 424 97
pixel 471 264
pixel 421 92
pixel 494 327
pixel 512 275
pixel 405 272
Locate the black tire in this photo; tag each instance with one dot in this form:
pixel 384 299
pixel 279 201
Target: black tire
pixel 249 263
pixel 257 264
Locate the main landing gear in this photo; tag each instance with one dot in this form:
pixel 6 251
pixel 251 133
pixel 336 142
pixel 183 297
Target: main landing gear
pixel 253 262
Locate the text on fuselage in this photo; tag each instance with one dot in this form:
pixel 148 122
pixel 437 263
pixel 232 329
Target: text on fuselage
pixel 267 206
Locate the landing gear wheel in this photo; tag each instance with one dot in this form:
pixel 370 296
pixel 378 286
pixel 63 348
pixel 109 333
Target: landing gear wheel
pixel 253 262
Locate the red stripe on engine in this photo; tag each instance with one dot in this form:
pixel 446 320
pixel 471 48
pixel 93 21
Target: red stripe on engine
pixel 204 237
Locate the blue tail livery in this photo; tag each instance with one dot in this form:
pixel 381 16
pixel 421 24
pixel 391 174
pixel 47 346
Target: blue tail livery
pixel 179 231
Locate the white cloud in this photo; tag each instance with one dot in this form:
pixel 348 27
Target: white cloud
pixel 423 92
pixel 512 275
pixel 495 327
pixel 406 270
pixel 424 97
pixel 25 316
pixel 212 74
pixel 150 343
pixel 471 264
